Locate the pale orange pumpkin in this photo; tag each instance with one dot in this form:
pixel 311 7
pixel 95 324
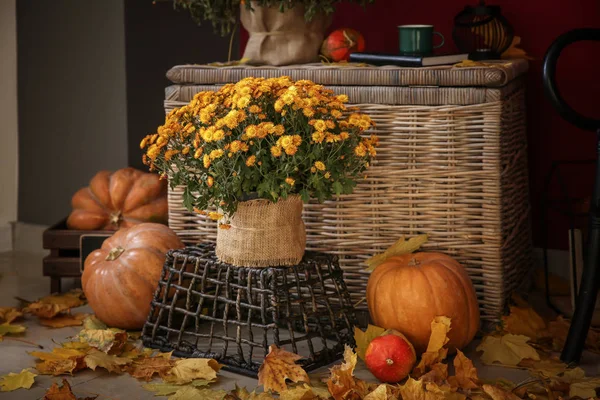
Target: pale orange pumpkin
pixel 407 292
pixel 119 279
pixel 119 199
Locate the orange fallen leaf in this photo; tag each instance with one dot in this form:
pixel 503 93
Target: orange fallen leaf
pixel 507 350
pixel 63 320
pixel 9 314
pixel 524 321
pixel 145 368
pixel 497 393
pixel 465 373
pixel 63 392
pixel 438 373
pixel 342 382
pixel 50 306
pixel 436 352
pixel 278 366
pixel 419 390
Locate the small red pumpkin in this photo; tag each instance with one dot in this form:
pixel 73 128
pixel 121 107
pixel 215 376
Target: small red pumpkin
pixel 390 357
pixel 341 43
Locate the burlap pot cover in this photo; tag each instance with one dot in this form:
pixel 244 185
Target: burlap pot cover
pixel 264 234
pixel 282 38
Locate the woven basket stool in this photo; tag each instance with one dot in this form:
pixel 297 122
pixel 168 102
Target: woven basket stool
pixel 452 163
pixel 208 309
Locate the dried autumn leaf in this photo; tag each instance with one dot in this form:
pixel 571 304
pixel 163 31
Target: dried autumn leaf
pixel 559 329
pixel 402 246
pixel 109 362
pixel 191 393
pixel 436 353
pixel 585 389
pixel 49 306
pixel 8 329
pixel 188 370
pixel 546 368
pixel 92 322
pixel 573 375
pixel 63 320
pixel 60 361
pixel 465 373
pixel 13 381
pixel 278 366
pixel 303 392
pixel 9 314
pixel 60 393
pixel 419 390
pixel 165 389
pixel 524 321
pixel 342 382
pixel 363 339
pixel 438 373
pixel 145 368
pixel 507 350
pixel 104 339
pixel 56 367
pixel 497 393
pixel 382 392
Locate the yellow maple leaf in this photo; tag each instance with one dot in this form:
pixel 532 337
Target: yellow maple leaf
pixel 438 373
pixel 524 321
pixel 436 352
pixel 49 306
pixel 382 392
pixel 188 370
pixel 302 392
pixel 104 339
pixel 111 363
pixel 9 314
pixel 585 389
pixel 419 390
pixel 8 329
pixel 278 366
pixel 62 392
pixel 166 389
pixel 192 393
pixel 464 371
pixel 342 382
pixel 402 246
pixel 363 338
pixel 146 367
pixel 497 393
pixel 56 367
pixel 63 320
pixel 14 381
pixel 507 350
pixel 546 368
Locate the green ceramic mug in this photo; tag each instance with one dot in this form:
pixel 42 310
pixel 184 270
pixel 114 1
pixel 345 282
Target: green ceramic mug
pixel 418 39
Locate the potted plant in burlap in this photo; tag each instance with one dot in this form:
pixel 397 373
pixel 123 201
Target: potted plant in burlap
pixel 280 32
pixel 253 152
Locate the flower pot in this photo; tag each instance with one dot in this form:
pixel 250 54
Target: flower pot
pixel 264 234
pixel 282 38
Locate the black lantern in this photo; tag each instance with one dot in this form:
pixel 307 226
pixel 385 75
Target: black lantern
pixel 482 32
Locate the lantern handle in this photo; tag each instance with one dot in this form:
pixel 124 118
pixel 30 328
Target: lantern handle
pixel 549 77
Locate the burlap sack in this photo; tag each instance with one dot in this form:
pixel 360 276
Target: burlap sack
pixel 264 234
pixel 282 38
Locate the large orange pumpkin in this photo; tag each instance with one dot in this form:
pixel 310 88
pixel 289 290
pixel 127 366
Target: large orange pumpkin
pixel 119 200
pixel 120 278
pixel 407 292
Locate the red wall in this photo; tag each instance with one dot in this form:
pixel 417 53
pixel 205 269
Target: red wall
pixel 538 22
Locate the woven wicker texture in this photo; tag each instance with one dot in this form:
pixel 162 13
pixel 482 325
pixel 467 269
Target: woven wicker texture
pixel 356 75
pixel 456 172
pixel 205 308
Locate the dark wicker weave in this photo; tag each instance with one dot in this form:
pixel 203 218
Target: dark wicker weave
pixel 205 308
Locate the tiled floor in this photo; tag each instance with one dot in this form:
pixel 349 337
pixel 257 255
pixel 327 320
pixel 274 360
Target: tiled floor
pixel 20 276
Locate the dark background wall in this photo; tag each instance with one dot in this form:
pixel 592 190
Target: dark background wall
pixel 157 38
pixel 538 22
pixel 72 104
pixel 91 85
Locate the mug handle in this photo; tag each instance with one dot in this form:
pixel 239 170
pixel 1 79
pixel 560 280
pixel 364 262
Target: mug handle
pixel 443 40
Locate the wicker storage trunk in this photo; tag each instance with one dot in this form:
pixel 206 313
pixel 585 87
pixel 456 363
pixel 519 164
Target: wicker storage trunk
pixel 452 163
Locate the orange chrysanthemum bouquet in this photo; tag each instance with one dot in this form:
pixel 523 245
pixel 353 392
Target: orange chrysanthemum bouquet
pixel 260 142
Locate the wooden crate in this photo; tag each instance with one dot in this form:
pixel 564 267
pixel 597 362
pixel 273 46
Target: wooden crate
pixel 64 260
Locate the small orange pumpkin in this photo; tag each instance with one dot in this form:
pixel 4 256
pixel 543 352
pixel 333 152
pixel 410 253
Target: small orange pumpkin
pixel 120 278
pixel 407 292
pixel 341 43
pixel 119 200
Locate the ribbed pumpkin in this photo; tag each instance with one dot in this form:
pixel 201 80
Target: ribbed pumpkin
pixel 120 278
pixel 406 292
pixel 119 200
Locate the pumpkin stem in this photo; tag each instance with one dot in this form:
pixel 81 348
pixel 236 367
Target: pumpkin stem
pixel 115 218
pixel 114 253
pixel 389 361
pixel 349 39
pixel 414 262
